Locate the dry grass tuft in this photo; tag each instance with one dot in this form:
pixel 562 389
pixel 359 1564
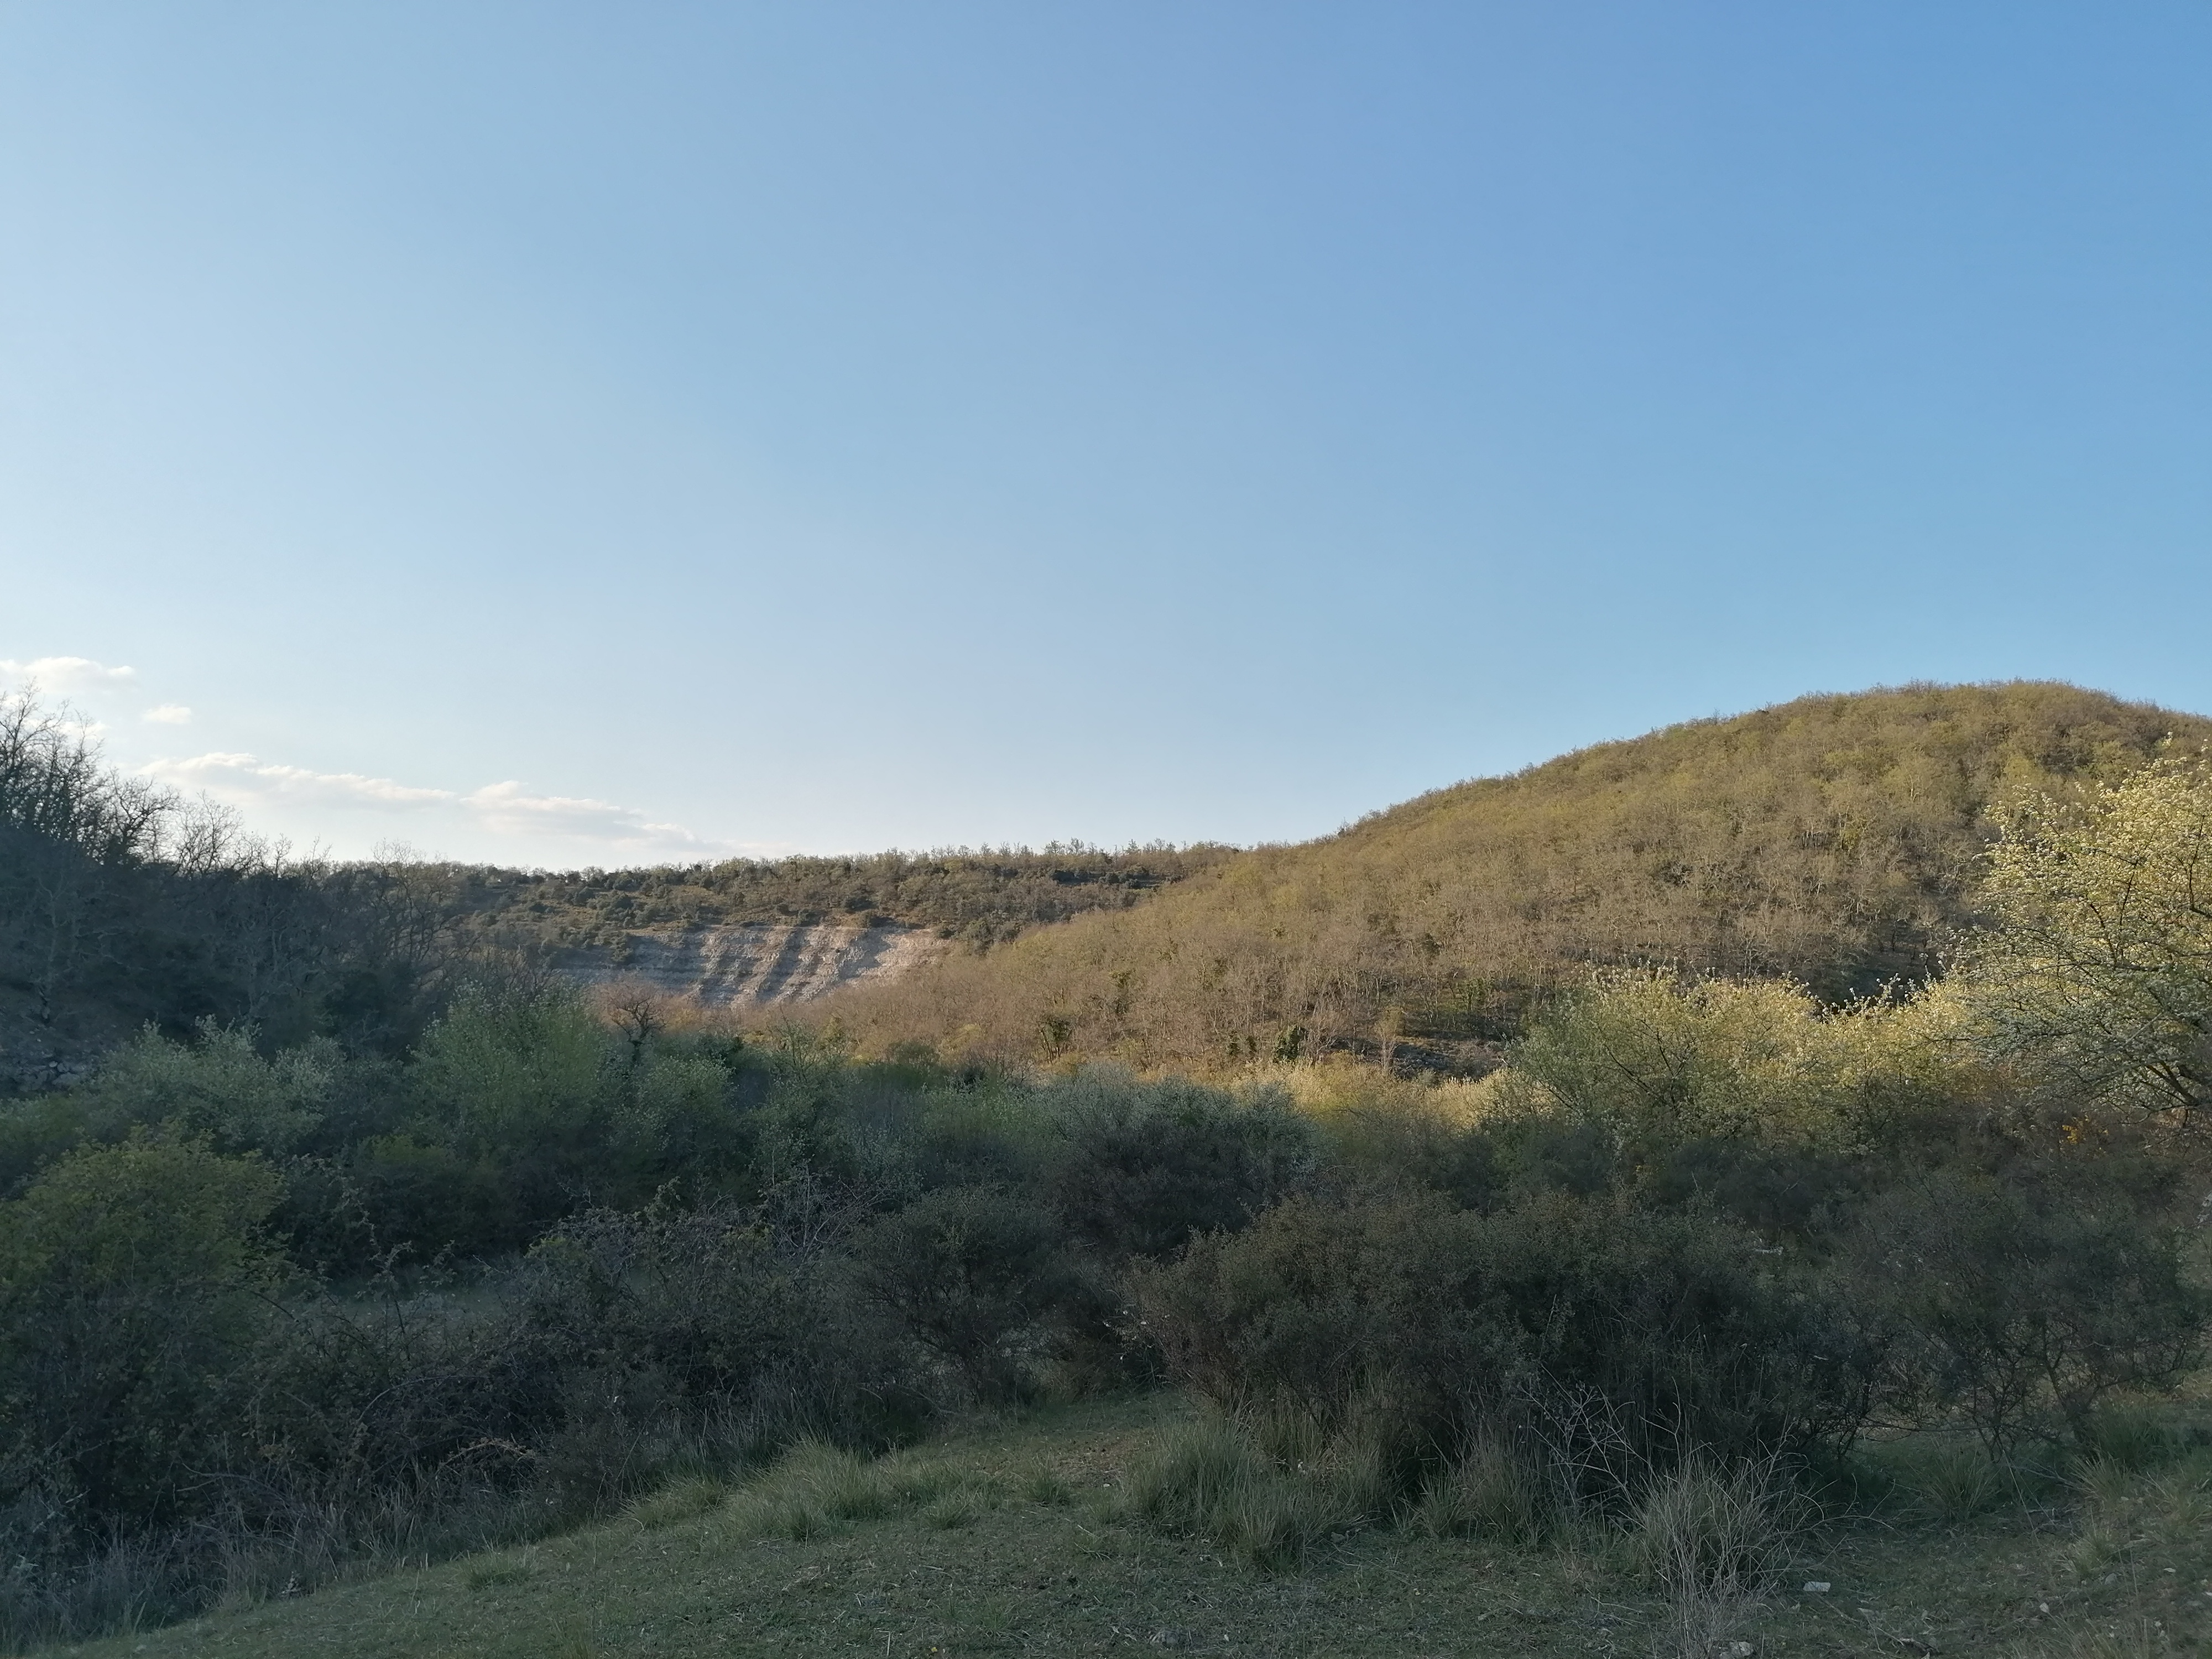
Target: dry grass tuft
pixel 1711 1540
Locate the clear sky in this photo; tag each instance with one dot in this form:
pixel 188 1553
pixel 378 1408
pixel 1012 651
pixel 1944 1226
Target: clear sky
pixel 599 434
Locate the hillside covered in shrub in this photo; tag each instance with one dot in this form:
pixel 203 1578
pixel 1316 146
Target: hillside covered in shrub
pixel 123 904
pixel 980 896
pixel 1839 841
pixel 280 1307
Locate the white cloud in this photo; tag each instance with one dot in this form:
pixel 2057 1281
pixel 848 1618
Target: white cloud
pixel 245 778
pixel 503 810
pixel 63 675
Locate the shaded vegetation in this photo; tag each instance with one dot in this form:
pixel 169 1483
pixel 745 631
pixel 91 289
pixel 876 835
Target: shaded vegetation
pixel 121 904
pixel 1028 1536
pixel 270 1317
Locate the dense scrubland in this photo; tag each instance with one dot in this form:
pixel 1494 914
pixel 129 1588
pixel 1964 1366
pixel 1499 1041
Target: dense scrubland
pixel 980 897
pixel 1874 1196
pixel 122 904
pixel 1836 841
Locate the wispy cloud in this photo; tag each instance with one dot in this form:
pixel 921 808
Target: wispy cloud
pixel 508 811
pixel 503 809
pixel 244 777
pixel 63 675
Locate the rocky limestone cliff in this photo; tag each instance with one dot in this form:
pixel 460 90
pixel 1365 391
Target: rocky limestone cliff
pixel 754 965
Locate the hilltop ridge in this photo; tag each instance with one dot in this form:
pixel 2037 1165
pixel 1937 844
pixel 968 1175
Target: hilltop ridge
pixel 980 896
pixel 1834 839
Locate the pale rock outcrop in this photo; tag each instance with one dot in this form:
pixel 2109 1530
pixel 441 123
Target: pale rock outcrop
pixel 754 965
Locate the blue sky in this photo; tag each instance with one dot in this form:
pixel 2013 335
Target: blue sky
pixel 591 434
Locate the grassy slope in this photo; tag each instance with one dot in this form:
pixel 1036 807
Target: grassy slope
pixel 1834 839
pixel 1007 1542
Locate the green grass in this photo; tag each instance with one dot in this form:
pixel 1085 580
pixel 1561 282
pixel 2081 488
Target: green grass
pixel 1026 1538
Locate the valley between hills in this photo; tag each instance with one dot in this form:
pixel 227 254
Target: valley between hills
pixel 1736 1190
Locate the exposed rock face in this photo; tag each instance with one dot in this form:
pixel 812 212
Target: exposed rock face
pixel 754 965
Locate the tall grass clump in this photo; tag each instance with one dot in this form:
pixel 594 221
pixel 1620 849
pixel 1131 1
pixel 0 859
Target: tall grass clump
pixel 814 1488
pixel 1206 1480
pixel 1493 1490
pixel 1711 1538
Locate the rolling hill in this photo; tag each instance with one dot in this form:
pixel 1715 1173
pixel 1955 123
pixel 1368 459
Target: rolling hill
pixel 1835 839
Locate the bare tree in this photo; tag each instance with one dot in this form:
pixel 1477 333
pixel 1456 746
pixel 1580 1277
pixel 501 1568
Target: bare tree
pixel 73 834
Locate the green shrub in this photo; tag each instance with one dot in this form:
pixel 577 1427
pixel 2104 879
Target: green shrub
pixel 1316 1304
pixel 1147 1166
pixel 526 1109
pixel 501 1070
pixel 1378 1129
pixel 1947 1479
pixel 217 1088
pixel 1616 1339
pixel 2020 1301
pixel 767 1347
pixel 426 1194
pixel 2131 1435
pixel 133 1280
pixel 36 1130
pixel 1784 1193
pixel 622 1352
pixel 979 1274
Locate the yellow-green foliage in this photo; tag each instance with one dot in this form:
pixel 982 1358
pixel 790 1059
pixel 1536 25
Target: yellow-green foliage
pixel 493 1066
pixel 1341 1092
pixel 1657 1060
pixel 1836 841
pixel 2099 969
pixel 132 1278
pixel 147 1211
pixel 218 1087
